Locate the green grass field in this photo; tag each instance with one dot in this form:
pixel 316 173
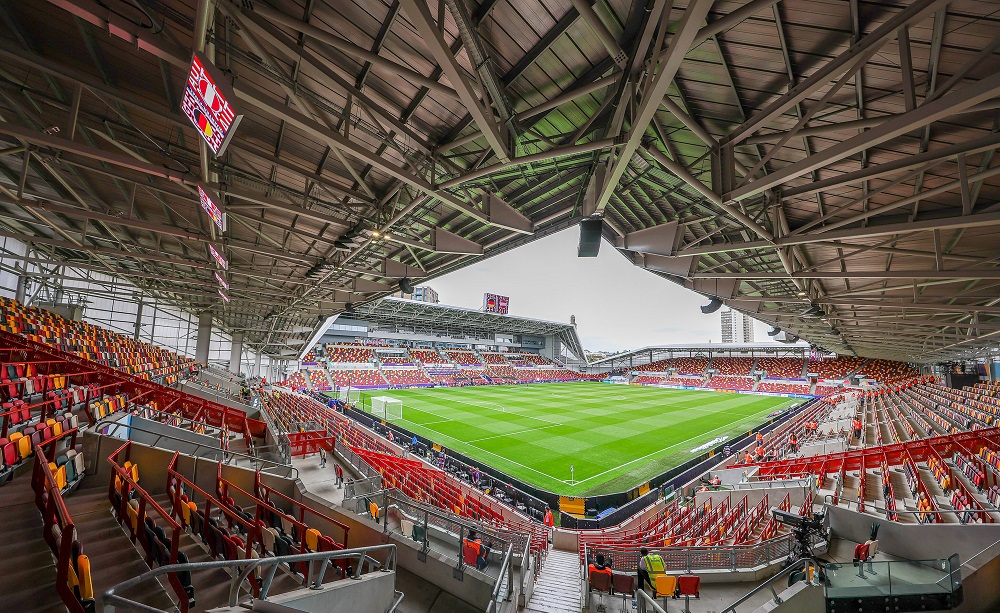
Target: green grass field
pixel 615 436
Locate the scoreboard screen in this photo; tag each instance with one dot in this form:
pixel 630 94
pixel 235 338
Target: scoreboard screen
pixel 212 209
pixel 492 303
pixel 206 103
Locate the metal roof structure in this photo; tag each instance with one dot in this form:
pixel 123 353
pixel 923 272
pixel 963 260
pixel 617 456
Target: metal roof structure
pixel 652 353
pixel 391 311
pixel 826 166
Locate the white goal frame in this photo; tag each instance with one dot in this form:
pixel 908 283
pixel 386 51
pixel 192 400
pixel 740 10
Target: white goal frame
pixel 386 407
pixel 349 394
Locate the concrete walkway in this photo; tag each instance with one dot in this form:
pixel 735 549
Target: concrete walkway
pixel 558 586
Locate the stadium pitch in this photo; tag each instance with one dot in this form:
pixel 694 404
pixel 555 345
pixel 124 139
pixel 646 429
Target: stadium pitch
pixel 614 436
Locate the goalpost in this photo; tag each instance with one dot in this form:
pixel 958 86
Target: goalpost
pixel 348 394
pixel 387 407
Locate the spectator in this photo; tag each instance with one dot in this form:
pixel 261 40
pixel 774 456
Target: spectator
pixel 648 564
pixel 549 522
pixel 322 458
pixel 598 566
pixel 340 476
pixel 482 551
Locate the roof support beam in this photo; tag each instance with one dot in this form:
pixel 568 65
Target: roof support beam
pixel 434 39
pixel 844 61
pixel 680 44
pixel 891 128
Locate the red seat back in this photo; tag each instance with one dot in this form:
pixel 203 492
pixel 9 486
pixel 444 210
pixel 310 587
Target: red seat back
pixel 470 553
pixel 689 585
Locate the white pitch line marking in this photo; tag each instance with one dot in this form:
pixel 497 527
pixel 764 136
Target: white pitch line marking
pixel 579 481
pixel 486 438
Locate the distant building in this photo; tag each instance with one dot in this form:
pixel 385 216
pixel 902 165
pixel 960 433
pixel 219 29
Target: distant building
pixel 420 294
pixel 736 327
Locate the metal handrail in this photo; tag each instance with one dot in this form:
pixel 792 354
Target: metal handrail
pixel 253 460
pixel 508 569
pixel 828 499
pixel 245 567
pixel 793 567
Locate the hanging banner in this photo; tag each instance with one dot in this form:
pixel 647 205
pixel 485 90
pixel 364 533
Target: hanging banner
pixel 221 261
pixel 222 282
pixel 214 212
pixel 206 103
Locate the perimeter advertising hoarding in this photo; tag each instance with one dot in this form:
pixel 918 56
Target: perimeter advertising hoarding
pixel 492 303
pixel 214 212
pixel 206 103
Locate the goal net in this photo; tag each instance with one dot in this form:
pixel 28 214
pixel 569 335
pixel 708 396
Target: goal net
pixel 386 407
pixel 349 395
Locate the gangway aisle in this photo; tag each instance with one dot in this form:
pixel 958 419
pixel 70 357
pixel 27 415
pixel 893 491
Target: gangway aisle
pixel 558 587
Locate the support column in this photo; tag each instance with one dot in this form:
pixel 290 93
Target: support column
pixel 236 353
pixel 256 365
pixel 22 283
pixel 204 338
pixel 138 319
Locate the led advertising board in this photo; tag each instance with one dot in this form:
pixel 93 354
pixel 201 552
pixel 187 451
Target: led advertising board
pixel 224 296
pixel 214 212
pixel 222 281
pixel 221 261
pixel 206 102
pixel 492 303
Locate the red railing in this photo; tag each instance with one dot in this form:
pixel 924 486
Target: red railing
pixel 177 481
pixel 62 541
pixel 120 487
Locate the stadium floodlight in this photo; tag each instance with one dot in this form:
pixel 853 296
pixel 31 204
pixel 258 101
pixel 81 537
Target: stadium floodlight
pixel 405 286
pixel 775 331
pixel 714 305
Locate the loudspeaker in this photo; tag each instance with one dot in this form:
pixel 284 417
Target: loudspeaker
pixel 406 286
pixel 590 237
pixel 714 305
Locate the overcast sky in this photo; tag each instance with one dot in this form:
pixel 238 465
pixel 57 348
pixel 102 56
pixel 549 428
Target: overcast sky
pixel 617 305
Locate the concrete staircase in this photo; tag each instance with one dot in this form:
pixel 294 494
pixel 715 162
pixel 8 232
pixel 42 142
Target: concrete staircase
pixel 558 587
pixel 113 557
pixel 27 568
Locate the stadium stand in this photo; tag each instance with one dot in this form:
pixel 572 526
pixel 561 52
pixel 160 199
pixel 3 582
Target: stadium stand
pixel 349 354
pixel 318 379
pixel 690 366
pixel 730 383
pixel 344 152
pixel 463 358
pixel 734 367
pixel 491 358
pixel 405 376
pixel 296 380
pixel 783 388
pixel 837 368
pixel 782 368
pixel 427 356
pixel 357 378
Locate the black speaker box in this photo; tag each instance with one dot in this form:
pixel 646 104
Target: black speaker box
pixel 590 237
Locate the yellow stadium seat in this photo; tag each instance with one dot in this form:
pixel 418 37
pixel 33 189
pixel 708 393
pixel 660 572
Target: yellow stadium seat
pixel 24 447
pixel 312 539
pixel 86 583
pixel 665 585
